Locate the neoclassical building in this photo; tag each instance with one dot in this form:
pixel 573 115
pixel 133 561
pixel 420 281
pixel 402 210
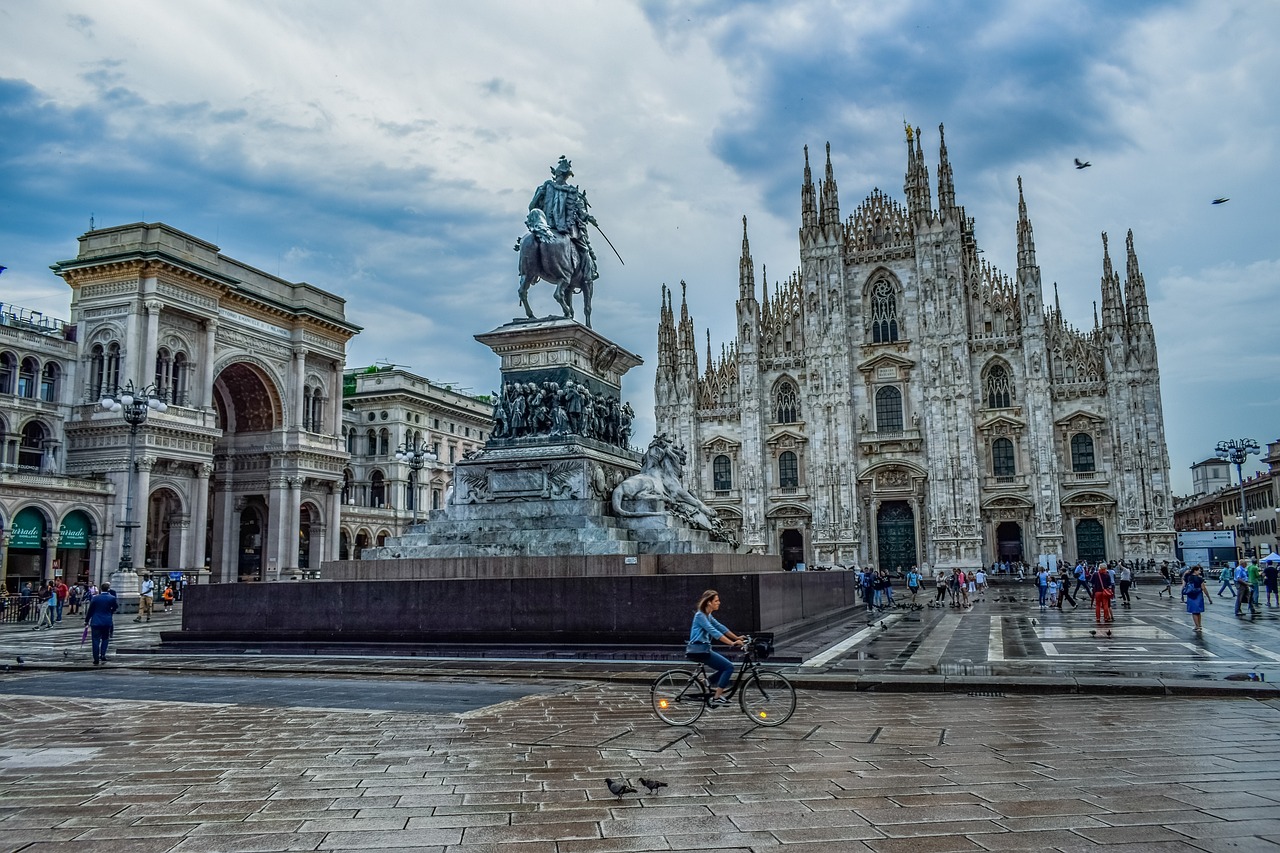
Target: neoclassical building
pixel 899 400
pixel 243 472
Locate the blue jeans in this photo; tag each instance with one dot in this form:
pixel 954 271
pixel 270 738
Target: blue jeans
pixel 101 635
pixel 1044 595
pixel 722 666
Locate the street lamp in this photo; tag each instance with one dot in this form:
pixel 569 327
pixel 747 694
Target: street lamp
pixel 134 406
pixel 1237 451
pixel 416 454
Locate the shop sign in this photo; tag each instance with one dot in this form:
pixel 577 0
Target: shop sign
pixel 27 530
pixel 74 532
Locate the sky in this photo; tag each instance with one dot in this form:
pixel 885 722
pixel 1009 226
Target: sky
pixel 387 152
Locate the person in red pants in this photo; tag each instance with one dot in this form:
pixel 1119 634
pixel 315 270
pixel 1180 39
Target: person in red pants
pixel 1104 589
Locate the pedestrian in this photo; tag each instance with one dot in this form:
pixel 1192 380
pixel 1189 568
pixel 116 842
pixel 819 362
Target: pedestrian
pixel 146 599
pixel 868 587
pixel 1053 590
pixel 73 599
pixel 1270 576
pixel 1255 580
pixel 940 581
pixel 1126 580
pixel 1244 592
pixel 1082 578
pixel 1103 589
pixel 1064 589
pixel 913 583
pixel 48 605
pixel 705 627
pixel 980 582
pixel 1197 595
pixel 1228 578
pixel 1042 583
pixel 61 589
pixel 167 595
pixel 99 617
pixel 1168 580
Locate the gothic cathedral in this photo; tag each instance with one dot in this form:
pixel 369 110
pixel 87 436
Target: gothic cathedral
pixel 900 401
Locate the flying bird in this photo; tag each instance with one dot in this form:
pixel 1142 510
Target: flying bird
pixel 652 784
pixel 1222 200
pixel 619 788
pixel 1082 164
pixel 3 268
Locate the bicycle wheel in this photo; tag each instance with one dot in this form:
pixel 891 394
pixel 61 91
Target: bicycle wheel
pixel 767 698
pixel 678 697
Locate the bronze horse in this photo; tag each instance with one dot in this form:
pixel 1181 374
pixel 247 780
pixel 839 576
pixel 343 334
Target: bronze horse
pixel 551 257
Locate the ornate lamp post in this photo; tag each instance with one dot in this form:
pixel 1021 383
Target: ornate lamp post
pixel 1237 451
pixel 134 406
pixel 416 454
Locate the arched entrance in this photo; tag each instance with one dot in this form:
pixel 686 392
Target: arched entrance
pixel 362 542
pixel 1091 541
pixel 1009 541
pixel 252 528
pixel 791 544
pixel 895 536
pixel 305 514
pixel 164 513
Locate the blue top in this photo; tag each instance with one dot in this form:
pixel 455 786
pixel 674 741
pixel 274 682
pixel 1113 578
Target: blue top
pixel 1195 585
pixel 705 627
pixel 101 606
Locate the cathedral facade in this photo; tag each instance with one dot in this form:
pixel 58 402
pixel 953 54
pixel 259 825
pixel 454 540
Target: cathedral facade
pixel 897 400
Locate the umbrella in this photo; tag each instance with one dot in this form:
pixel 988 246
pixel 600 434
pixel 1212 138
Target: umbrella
pixel 1273 557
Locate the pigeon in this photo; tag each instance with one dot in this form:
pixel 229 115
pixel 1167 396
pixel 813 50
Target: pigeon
pixel 1082 164
pixel 619 788
pixel 19 660
pixel 1034 622
pixel 652 784
pixel 1108 632
pixel 1220 201
pixel 1093 633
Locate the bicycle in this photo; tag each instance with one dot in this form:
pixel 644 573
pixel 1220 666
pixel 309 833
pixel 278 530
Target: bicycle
pixel 681 696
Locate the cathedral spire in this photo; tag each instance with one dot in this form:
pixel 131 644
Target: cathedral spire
pixel 946 186
pixel 1026 238
pixel 666 335
pixel 709 362
pixel 808 200
pixel 746 269
pixel 1057 303
pixel 1135 289
pixel 919 200
pixel 686 346
pixel 1112 301
pixel 764 298
pixel 830 196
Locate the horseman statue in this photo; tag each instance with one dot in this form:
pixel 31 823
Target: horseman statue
pixel 557 249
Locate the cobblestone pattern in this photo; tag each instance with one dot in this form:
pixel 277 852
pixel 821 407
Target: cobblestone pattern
pixel 850 772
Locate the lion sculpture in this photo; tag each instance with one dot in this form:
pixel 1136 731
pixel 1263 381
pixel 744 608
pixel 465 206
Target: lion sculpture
pixel 661 470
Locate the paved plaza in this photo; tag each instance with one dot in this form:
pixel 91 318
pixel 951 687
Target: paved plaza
pixel 160 752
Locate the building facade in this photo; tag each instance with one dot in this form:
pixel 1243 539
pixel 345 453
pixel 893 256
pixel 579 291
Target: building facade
pixel 1218 508
pixel 897 400
pixel 387 409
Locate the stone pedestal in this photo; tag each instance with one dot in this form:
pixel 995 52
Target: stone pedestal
pixel 125 584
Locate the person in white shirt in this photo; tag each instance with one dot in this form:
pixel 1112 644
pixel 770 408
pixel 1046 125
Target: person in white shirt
pixel 146 600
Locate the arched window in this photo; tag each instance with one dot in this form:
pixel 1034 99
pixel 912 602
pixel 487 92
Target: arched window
pixel 348 487
pixel 787 409
pixel 435 498
pixel 722 473
pixel 889 409
pixel 49 382
pixel 350 435
pixel 1002 461
pixel 164 374
pixel 788 470
pixel 111 381
pixel 372 437
pixel 999 388
pixel 31 448
pixel 27 377
pixel 377 489
pixel 884 313
pixel 315 411
pixel 181 378
pixel 1082 453
pixel 384 442
pixel 8 371
pixel 306 408
pixel 97 371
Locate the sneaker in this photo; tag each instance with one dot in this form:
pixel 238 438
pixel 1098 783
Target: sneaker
pixel 718 703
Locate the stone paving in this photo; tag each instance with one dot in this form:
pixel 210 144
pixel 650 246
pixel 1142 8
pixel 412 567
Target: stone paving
pixel 912 773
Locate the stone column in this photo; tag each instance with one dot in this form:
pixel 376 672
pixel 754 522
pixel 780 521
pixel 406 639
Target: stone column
pixel 141 505
pixel 273 552
pixel 294 513
pixel 97 574
pixel 153 307
pixel 200 516
pixel 222 551
pixel 335 412
pixel 299 382
pixel 335 522
pixel 210 334
pixel 4 558
pixel 50 553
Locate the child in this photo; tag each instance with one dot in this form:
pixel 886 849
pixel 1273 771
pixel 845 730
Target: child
pixel 1053 590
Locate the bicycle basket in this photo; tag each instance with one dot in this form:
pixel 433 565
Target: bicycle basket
pixel 762 645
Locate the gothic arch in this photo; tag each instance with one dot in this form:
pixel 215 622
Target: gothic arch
pixel 911 468
pixel 784 400
pixel 998 387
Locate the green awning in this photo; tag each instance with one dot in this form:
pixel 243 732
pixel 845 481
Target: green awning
pixel 27 530
pixel 74 532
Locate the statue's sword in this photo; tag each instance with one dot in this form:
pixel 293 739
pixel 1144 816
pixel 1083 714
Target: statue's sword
pixel 610 242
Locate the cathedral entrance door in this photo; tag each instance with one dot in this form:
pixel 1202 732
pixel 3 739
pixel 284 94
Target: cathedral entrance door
pixel 792 547
pixel 895 536
pixel 1091 541
pixel 1009 541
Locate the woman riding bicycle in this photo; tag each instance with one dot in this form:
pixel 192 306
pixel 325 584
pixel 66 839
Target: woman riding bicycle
pixel 705 627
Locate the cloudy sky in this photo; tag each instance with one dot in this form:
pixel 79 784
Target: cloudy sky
pixel 387 151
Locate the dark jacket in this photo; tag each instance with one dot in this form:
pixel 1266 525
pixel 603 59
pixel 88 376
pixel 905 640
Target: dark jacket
pixel 101 607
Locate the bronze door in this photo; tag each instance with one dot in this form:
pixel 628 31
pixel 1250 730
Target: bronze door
pixel 895 536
